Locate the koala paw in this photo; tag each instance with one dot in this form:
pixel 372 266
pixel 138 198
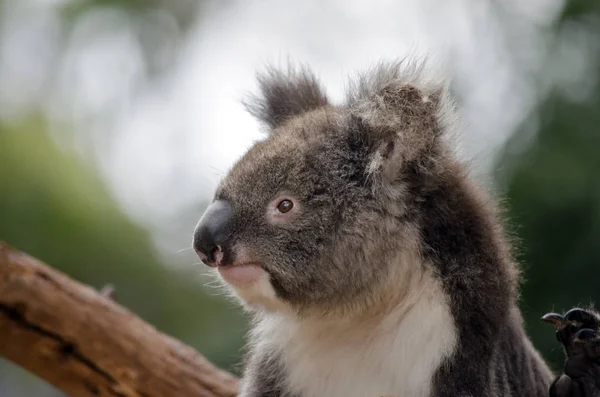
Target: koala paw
pixel 579 333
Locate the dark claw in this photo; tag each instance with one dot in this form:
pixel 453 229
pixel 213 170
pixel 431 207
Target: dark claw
pixel 555 319
pixel 584 335
pixel 580 317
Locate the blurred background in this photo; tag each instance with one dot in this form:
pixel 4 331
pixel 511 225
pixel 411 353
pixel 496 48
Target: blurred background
pixel 117 119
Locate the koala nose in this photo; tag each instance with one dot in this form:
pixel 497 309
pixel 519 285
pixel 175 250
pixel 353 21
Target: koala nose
pixel 211 232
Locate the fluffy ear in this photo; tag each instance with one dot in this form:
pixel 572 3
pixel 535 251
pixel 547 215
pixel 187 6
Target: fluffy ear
pixel 283 95
pixel 401 114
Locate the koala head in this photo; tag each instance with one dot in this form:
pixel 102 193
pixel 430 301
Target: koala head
pixel 316 215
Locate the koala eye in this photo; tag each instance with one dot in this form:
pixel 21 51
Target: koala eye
pixel 285 206
pixel 283 210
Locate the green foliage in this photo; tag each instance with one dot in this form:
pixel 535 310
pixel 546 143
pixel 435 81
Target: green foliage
pixel 578 8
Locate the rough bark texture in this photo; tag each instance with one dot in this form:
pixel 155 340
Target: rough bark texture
pixel 87 345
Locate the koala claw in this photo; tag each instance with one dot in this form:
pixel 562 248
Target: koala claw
pixel 578 331
pixel 584 335
pixel 582 317
pixel 555 319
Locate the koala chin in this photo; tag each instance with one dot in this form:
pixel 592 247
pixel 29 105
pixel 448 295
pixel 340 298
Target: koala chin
pixel 370 261
pixel 251 284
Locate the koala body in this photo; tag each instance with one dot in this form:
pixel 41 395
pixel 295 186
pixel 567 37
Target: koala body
pixel 370 262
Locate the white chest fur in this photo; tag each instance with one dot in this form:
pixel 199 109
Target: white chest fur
pixel 395 356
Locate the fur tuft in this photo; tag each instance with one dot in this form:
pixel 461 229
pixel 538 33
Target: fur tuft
pixel 404 72
pixel 403 103
pixel 285 94
pixel 404 114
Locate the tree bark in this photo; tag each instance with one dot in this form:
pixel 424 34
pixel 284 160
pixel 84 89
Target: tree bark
pixel 87 345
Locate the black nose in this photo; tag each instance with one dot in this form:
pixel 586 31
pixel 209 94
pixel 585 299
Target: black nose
pixel 212 231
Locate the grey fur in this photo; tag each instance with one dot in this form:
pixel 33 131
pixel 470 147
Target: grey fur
pixel 376 178
pixel 284 95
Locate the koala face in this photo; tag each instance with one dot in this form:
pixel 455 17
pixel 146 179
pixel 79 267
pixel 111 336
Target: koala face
pixel 312 216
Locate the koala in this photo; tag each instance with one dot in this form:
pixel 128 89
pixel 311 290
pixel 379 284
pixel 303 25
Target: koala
pixel 372 265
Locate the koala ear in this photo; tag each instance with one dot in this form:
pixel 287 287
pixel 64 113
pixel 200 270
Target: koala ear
pixel 401 114
pixel 284 95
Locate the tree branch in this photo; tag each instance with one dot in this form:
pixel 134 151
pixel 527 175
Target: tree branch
pixel 87 345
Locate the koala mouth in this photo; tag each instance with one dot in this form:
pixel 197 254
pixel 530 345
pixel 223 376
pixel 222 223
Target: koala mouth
pixel 242 274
